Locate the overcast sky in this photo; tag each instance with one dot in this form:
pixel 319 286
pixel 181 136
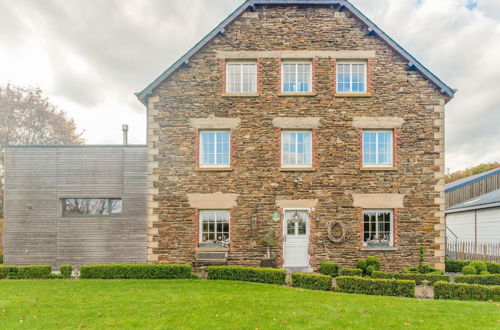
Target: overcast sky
pixel 90 56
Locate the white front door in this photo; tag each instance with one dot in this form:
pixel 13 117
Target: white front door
pixel 296 230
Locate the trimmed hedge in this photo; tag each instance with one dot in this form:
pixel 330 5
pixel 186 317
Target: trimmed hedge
pixel 137 271
pixel 248 274
pixel 381 287
pixel 462 291
pixel 351 272
pixel 493 267
pixel 418 278
pixel 312 281
pixel 493 279
pixel 25 272
pixel 65 271
pixel 329 268
pixel 455 266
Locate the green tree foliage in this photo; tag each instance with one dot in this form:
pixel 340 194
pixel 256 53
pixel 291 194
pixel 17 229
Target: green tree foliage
pixel 457 175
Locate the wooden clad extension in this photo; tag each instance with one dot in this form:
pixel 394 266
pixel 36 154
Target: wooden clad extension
pixel 36 180
pixel 472 187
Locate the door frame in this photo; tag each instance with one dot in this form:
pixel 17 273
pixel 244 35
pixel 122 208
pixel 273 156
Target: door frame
pixel 308 231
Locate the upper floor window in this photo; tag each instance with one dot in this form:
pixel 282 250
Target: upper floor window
pixel 351 77
pixel 93 207
pixel 296 77
pixel 215 148
pixel 241 77
pixel 214 228
pixel 296 149
pixel 377 228
pixel 377 148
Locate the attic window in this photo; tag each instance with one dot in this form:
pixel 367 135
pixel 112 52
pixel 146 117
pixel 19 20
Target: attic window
pixel 351 77
pixel 241 77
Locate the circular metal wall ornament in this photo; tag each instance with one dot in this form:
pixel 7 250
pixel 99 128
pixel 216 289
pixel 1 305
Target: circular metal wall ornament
pixel 334 227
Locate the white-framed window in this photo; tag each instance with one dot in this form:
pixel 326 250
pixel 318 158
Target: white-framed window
pixel 215 148
pixel 296 77
pixel 296 149
pixel 377 148
pixel 378 228
pixel 351 77
pixel 214 228
pixel 241 77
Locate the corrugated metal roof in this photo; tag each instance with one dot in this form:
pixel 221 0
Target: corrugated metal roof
pixel 470 179
pixel 482 201
pixel 412 61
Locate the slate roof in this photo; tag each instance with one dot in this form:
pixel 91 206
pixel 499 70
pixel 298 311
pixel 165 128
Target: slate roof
pixel 470 179
pixel 372 27
pixel 491 199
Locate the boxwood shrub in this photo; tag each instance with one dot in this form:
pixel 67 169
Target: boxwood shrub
pixel 65 271
pixel 381 287
pixel 493 279
pixel 248 274
pixel 462 291
pixel 25 272
pixel 312 281
pixel 137 271
pixel 329 268
pixel 455 266
pixel 493 267
pixel 351 272
pixel 418 278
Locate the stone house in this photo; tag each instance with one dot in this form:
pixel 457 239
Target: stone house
pixel 302 118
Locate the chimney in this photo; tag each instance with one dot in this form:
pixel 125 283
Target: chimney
pixel 125 134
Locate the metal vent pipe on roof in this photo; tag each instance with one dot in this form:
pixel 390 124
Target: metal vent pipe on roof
pixel 125 134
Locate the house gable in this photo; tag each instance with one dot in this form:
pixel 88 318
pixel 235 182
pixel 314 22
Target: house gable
pixel 250 5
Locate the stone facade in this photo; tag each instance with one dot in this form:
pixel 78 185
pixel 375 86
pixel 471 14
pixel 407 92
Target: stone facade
pixel 336 187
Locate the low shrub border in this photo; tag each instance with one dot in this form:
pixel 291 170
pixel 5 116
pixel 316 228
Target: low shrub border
pixel 312 281
pixel 462 291
pixel 248 274
pixel 493 279
pixel 65 271
pixel 351 272
pixel 493 267
pixel 381 287
pixel 26 272
pixel 329 268
pixel 455 266
pixel 135 271
pixel 418 278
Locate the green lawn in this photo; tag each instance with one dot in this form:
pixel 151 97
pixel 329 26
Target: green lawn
pixel 153 304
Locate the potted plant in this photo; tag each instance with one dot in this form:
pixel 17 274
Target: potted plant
pixel 270 241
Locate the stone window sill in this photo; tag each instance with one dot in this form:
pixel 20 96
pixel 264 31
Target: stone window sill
pixel 297 169
pixel 240 95
pixel 297 94
pixel 379 248
pixel 353 95
pixel 211 249
pixel 379 169
pixel 214 169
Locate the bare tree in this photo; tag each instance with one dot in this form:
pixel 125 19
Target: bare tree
pixel 28 118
